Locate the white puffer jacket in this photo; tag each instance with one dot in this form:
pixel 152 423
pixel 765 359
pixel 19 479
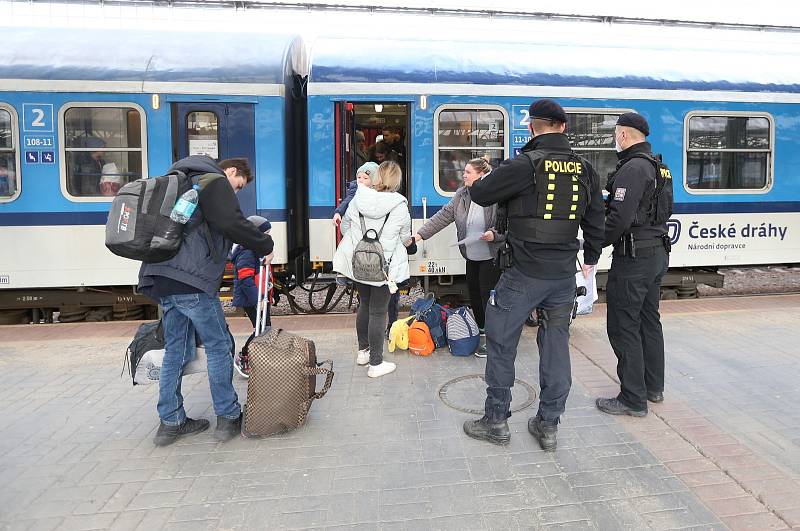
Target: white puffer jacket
pixel 374 206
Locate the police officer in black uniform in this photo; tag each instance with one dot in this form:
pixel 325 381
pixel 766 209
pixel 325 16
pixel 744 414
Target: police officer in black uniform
pixel 548 192
pixel 637 209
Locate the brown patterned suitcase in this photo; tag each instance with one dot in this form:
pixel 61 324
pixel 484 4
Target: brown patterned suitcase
pixel 282 383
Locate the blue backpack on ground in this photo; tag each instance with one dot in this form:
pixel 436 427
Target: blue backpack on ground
pixel 425 309
pixel 463 335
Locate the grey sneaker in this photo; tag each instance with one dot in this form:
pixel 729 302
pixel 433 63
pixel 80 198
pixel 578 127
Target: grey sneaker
pixel 612 406
pixel 167 435
pixel 481 352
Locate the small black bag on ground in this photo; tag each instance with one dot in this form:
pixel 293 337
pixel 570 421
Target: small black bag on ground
pixel 145 354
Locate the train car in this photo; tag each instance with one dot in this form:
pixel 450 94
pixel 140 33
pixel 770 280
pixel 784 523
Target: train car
pixel 84 112
pixel 722 106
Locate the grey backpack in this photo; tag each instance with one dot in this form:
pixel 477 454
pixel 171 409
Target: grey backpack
pixel 369 263
pixel 139 226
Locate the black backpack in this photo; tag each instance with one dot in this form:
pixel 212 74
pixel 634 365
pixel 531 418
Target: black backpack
pixel 145 355
pixel 662 202
pixel 139 226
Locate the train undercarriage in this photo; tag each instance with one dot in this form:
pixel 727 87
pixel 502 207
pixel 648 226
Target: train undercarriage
pixel 320 293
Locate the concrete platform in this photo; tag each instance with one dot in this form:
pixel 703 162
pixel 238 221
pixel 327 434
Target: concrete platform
pixel 722 452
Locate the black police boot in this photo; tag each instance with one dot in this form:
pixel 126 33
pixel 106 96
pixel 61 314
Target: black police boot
pixel 169 434
pixel 483 429
pixel 655 397
pixel 227 428
pixel 612 406
pixel 544 432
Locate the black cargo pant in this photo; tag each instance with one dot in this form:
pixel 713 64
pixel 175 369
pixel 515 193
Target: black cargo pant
pixel 634 324
pixel 516 296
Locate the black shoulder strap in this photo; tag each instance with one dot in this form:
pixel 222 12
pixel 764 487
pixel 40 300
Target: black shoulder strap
pixel 364 226
pixel 382 226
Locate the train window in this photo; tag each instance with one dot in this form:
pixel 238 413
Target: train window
pixel 103 148
pixel 202 132
pixel 728 152
pixel 591 134
pixel 464 133
pixel 9 162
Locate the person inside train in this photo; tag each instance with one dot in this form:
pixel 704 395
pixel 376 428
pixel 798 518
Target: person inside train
pixel 111 180
pixel 393 138
pixel 245 288
pixel 476 228
pixel 362 155
pixel 87 168
pixel 381 152
pixel 385 211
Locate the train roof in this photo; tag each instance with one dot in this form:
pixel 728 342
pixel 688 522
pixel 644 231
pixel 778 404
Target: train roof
pixel 567 54
pixel 117 55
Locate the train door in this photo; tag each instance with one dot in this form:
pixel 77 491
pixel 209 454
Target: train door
pixel 219 130
pixel 370 131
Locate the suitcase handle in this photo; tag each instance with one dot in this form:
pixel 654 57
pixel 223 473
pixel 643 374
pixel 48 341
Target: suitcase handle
pixel 328 377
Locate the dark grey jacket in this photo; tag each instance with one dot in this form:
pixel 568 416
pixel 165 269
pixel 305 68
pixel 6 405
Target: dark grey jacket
pixel 218 220
pixel 457 210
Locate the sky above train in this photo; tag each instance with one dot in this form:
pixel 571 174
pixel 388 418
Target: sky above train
pixel 765 12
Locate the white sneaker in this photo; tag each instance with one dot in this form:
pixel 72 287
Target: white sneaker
pixel 386 367
pixel 363 357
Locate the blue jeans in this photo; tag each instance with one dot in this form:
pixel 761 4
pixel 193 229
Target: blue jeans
pixel 183 314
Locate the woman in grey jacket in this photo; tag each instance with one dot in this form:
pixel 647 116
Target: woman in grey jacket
pixel 477 224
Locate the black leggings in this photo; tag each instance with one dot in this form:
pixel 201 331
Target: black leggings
pixel 482 277
pixel 371 319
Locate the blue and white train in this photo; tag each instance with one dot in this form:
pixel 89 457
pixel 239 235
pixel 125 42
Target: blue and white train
pixel 83 112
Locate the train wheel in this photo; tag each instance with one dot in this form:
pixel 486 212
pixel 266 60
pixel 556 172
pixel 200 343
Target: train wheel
pixel 687 291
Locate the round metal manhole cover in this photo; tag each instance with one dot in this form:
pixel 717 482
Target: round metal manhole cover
pixel 468 394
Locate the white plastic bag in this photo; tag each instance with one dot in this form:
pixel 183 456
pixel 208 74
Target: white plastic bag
pixel 586 302
pixel 149 367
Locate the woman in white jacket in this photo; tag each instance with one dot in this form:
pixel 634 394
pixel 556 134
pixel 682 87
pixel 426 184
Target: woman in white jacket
pixel 380 204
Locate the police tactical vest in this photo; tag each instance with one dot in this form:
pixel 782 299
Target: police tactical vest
pixel 552 212
pixel 658 209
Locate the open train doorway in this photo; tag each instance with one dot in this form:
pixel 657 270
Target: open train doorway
pixel 373 131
